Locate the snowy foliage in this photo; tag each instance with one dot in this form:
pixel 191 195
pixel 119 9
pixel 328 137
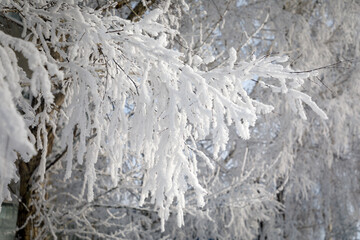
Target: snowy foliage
pixel 141 104
pixel 15 135
pixel 311 159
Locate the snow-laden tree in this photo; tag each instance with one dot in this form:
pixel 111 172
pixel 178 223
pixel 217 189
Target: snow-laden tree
pixel 315 175
pixel 121 115
pixel 326 157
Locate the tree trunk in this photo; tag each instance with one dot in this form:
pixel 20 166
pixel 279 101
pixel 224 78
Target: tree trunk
pixel 27 221
pixel 280 198
pixel 26 212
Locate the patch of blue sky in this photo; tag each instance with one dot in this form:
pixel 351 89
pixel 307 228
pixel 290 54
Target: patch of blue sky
pixel 240 3
pixel 249 85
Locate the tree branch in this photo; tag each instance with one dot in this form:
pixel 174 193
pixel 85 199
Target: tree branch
pixel 139 10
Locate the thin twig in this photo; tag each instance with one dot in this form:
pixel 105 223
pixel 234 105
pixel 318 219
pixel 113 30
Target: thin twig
pixel 254 33
pixel 214 27
pixel 324 84
pixel 319 68
pixel 56 159
pixel 137 91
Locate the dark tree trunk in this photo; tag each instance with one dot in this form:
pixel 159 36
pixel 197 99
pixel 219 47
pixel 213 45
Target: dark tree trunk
pixel 26 217
pixel 25 210
pixel 280 198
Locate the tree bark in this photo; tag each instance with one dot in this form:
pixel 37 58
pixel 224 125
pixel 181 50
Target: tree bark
pixel 24 223
pixel 26 217
pixel 280 198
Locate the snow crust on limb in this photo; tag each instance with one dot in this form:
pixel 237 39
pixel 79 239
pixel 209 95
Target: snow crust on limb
pixel 128 94
pixel 16 139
